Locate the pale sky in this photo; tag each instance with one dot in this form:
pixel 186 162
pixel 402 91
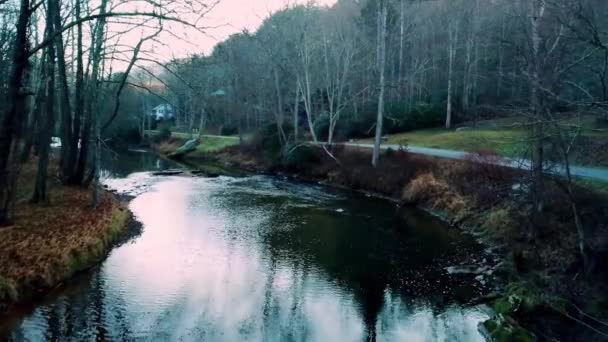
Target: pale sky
pixel 226 18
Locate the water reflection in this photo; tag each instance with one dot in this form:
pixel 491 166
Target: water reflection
pixel 117 165
pixel 264 259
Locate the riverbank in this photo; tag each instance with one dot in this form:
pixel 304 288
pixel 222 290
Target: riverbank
pixel 540 256
pixel 49 243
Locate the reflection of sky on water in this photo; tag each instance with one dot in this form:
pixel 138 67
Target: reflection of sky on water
pixel 257 258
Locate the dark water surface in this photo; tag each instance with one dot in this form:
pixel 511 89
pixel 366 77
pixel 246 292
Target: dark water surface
pixel 262 259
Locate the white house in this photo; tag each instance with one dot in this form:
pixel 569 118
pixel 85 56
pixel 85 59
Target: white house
pixel 163 112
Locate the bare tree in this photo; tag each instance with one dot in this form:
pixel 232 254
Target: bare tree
pixel 382 14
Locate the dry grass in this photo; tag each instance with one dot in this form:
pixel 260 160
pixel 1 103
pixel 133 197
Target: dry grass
pixel 48 243
pixel 428 191
pixel 169 146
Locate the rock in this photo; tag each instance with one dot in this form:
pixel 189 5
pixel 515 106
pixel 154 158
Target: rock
pixel 168 173
pixel 467 269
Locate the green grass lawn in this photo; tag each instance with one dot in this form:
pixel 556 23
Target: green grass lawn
pixel 509 141
pixel 214 144
pixel 598 186
pixel 502 141
pixel 208 143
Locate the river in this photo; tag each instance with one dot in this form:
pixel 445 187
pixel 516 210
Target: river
pixel 262 258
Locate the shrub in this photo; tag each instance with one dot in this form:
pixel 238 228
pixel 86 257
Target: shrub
pixel 127 136
pixel 267 142
pixel 321 127
pixel 357 127
pixel 423 115
pixel 165 134
pixel 296 157
pixel 389 153
pixel 228 130
pixel 488 165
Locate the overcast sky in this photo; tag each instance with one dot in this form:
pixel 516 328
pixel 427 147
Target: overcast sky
pixel 228 17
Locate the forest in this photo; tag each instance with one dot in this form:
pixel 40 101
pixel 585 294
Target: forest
pixel 315 75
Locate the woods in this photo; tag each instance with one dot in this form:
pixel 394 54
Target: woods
pixel 445 62
pixel 55 83
pixel 367 69
pixel 306 85
pixel 325 74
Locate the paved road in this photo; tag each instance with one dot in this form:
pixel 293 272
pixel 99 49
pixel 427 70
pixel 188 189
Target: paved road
pixel 595 173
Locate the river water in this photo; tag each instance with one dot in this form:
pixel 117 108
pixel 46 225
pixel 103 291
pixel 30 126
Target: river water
pixel 261 258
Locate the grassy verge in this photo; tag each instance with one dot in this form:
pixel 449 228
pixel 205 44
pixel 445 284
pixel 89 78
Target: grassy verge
pixel 508 141
pixel 208 143
pixel 48 244
pixel 188 136
pixel 214 144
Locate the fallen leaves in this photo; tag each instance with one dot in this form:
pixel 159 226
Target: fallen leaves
pixel 40 245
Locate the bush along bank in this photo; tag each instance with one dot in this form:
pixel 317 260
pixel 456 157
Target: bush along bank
pixel 49 244
pixel 540 263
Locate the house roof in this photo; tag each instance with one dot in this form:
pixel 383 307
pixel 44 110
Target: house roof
pixel 162 106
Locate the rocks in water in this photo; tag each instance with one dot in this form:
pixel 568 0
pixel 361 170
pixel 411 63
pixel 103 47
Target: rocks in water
pixel 168 173
pixel 467 269
pixel 205 173
pixel 138 150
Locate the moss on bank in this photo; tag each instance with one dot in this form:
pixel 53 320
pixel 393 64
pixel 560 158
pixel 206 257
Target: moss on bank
pixel 49 243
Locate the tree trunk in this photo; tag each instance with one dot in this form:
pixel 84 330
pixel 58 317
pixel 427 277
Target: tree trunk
pixel 296 113
pixel 97 163
pixel 279 115
pixel 35 112
pixel 92 92
pixel 66 109
pixel 500 60
pixel 380 116
pixel 536 13
pixel 453 36
pixel 15 107
pixel 46 127
pixel 401 41
pixel 72 158
pixel 466 85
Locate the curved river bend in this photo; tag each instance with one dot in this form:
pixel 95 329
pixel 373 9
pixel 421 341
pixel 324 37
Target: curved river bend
pixel 262 259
